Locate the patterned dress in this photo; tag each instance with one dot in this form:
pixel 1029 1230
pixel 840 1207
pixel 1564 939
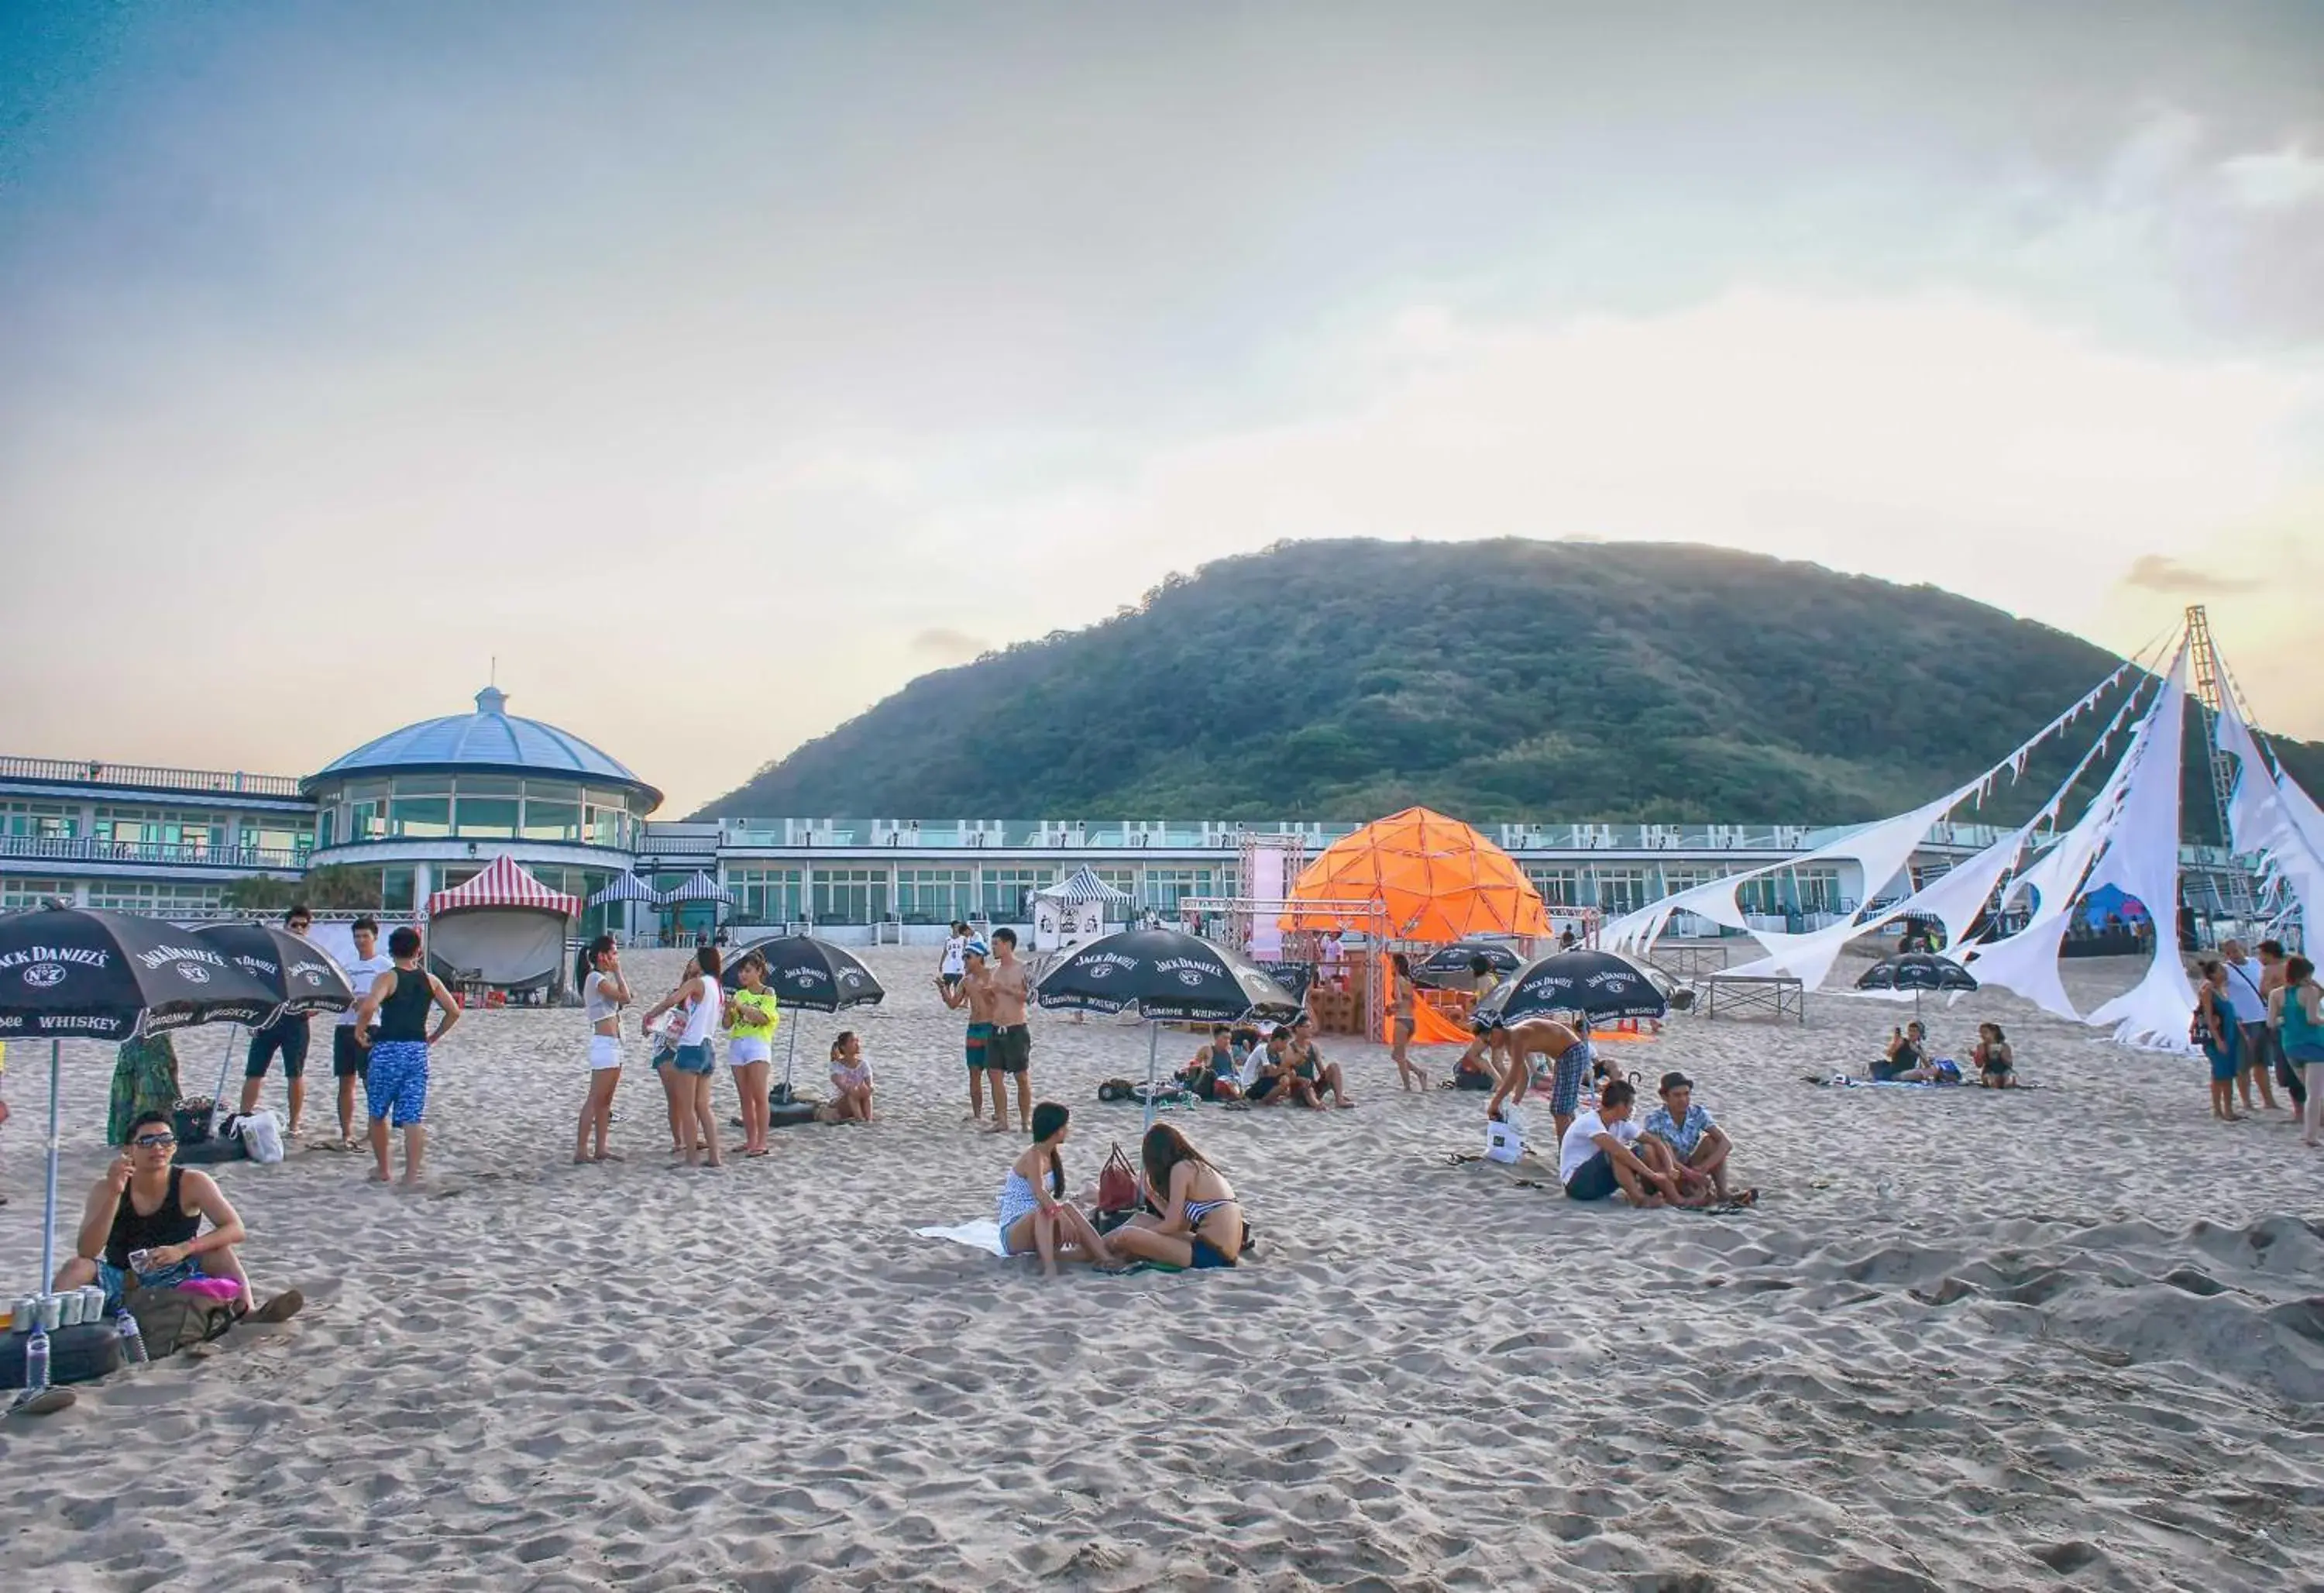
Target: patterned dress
pixel 145 1079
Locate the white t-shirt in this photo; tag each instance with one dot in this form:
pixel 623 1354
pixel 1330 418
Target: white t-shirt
pixel 955 957
pixel 1581 1142
pixel 2242 991
pixel 362 973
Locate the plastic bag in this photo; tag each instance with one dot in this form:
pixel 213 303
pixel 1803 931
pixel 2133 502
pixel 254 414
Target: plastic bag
pixel 262 1137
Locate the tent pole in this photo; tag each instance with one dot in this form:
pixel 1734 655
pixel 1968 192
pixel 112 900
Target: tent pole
pixel 48 1215
pixel 1153 1050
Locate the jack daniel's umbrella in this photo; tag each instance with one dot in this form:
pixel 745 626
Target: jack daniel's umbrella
pixel 1598 985
pixel 109 976
pixel 1164 975
pixel 1917 971
pixel 1450 966
pixel 807 974
pixel 301 975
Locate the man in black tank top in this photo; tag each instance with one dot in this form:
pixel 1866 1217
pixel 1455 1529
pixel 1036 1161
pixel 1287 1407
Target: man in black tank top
pixel 395 1080
pixel 145 1208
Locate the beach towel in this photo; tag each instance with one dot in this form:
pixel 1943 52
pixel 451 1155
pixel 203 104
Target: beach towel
pixel 983 1234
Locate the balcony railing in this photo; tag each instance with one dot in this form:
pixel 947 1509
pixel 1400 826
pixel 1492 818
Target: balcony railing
pixel 149 777
pixel 86 849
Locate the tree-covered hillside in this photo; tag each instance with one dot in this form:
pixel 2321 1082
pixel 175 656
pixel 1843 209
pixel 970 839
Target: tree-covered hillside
pixel 1490 680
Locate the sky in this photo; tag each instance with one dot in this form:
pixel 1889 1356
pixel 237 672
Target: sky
pixel 709 371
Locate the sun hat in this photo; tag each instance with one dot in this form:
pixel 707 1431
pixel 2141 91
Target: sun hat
pixel 977 949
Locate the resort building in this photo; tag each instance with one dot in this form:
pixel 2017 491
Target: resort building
pixel 426 807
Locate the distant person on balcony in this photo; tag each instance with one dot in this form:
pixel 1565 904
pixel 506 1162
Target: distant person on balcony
pixel 286 1037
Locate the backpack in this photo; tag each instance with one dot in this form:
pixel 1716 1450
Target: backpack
pixel 171 1320
pixel 1117 1184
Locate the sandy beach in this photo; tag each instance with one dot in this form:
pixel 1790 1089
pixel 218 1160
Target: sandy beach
pixel 2071 1336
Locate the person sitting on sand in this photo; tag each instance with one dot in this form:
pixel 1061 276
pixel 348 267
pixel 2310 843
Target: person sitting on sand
pixel 1273 1080
pixel 1211 1074
pixel 1699 1146
pixel 1997 1064
pixel 1200 1223
pixel 1033 1215
pixel 1564 1057
pixel 851 1079
pixel 1604 1151
pixel 1906 1059
pixel 142 1228
pixel 1313 1075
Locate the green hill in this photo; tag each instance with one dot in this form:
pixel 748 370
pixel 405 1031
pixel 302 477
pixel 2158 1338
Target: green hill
pixel 1498 679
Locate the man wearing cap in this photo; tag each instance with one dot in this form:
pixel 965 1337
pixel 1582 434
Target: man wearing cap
pixel 1698 1145
pixel 974 990
pixel 1515 1046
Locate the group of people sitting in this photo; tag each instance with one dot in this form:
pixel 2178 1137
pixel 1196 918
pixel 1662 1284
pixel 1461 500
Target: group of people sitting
pixel 1907 1059
pixel 1266 1065
pixel 1187 1213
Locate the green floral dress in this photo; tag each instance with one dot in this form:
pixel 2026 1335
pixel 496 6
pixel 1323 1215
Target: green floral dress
pixel 145 1079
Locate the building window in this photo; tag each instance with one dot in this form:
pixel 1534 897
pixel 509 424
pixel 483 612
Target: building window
pixel 486 818
pixel 421 817
pixel 850 896
pixel 1124 880
pixel 1620 890
pixel 1006 895
pixel 934 896
pixel 151 897
pixel 41 821
pixel 18 895
pixel 1165 886
pixel 766 895
pixel 551 821
pixel 395 890
pixel 1559 887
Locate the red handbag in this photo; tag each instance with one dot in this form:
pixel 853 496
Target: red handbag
pixel 1117 1183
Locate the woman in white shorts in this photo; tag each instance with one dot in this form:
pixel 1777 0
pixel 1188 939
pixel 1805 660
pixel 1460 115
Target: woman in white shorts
pixel 752 1016
pixel 603 993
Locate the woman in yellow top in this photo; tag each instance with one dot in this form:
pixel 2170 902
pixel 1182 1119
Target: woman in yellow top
pixel 752 1015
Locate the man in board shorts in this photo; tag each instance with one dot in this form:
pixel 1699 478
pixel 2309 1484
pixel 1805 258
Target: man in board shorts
pixel 1012 1040
pixel 974 990
pixel 1536 1051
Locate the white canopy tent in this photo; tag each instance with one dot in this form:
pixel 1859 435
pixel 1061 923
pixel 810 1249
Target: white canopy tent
pixel 1075 909
pixel 503 928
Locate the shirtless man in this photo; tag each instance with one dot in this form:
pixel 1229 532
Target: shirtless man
pixel 1515 1045
pixel 974 990
pixel 1011 1046
pixel 1309 1068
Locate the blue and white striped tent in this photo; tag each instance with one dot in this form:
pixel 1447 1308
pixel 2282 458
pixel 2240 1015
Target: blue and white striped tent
pixel 1080 887
pixel 700 888
pixel 626 887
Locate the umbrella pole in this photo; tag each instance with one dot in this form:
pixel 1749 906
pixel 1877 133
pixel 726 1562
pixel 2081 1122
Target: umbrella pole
pixel 789 1057
pixel 1153 1051
pixel 49 1213
pixel 217 1095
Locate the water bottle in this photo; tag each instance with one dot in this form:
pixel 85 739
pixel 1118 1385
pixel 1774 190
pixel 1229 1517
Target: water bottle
pixel 36 1360
pixel 132 1342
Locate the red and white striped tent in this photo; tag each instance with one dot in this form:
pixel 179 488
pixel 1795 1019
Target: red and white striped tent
pixel 503 929
pixel 504 884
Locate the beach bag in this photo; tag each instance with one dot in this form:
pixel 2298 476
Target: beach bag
pixel 1114 1089
pixel 1504 1141
pixel 190 1120
pixel 262 1136
pixel 1117 1184
pixel 171 1320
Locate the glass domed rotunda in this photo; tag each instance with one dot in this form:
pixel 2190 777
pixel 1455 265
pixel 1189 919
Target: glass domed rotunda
pixel 432 803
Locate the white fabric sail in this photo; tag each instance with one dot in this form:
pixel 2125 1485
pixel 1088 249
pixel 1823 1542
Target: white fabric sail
pixel 2269 818
pixel 2142 860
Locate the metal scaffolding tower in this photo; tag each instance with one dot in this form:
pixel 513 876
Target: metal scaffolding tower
pixel 2212 687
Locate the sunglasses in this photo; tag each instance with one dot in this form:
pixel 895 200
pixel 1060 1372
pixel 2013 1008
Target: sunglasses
pixel 154 1142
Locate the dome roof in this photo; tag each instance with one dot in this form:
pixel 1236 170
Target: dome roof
pixel 491 739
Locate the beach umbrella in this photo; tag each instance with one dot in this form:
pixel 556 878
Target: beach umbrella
pixel 112 977
pixel 1164 975
pixel 301 974
pixel 807 974
pixel 1598 985
pixel 1919 972
pixel 1450 966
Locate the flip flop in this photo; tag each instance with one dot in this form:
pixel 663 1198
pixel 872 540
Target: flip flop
pixel 281 1309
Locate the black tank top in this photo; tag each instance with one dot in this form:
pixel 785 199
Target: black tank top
pixel 131 1230
pixel 403 1015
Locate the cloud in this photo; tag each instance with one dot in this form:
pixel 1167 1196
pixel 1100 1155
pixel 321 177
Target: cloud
pixel 2278 179
pixel 946 645
pixel 2160 572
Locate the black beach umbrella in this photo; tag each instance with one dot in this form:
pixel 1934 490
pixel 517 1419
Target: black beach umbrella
pixel 807 974
pixel 1598 985
pixel 1919 972
pixel 1164 975
pixel 301 974
pixel 1450 966
pixel 111 977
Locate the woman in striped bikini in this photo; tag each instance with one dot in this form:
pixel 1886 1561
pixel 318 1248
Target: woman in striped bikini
pixel 1036 1219
pixel 1201 1223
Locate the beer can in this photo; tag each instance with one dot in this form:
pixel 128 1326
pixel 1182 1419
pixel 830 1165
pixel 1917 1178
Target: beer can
pixel 24 1313
pixel 52 1310
pixel 92 1302
pixel 68 1308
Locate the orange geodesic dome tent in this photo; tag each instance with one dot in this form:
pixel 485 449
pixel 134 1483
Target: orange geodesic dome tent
pixel 1435 879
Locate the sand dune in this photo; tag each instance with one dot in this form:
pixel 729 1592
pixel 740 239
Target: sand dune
pixel 2070 1338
